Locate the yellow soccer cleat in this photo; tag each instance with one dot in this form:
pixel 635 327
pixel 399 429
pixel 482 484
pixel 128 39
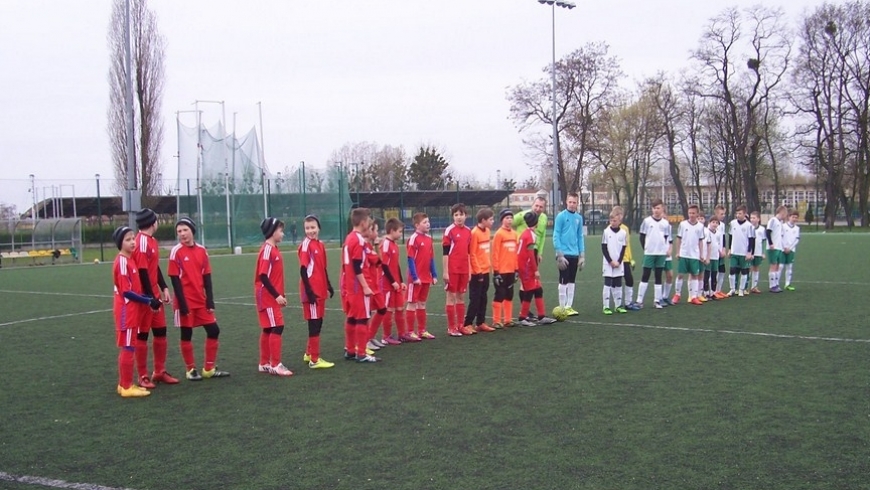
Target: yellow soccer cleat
pixel 320 364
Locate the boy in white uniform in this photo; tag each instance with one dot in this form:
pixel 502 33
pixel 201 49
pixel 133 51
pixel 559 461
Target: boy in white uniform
pixel 613 242
pixel 655 233
pixel 691 238
pixel 758 253
pixel 719 238
pixel 774 248
pixel 711 274
pixel 742 241
pixel 791 234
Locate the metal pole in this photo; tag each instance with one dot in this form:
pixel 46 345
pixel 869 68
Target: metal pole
pixel 556 194
pixel 131 157
pixel 100 218
pixel 304 189
pixel 263 160
pixel 199 164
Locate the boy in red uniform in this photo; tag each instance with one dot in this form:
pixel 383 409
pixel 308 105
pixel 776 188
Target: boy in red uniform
pixel 456 246
pixel 355 290
pixel 391 283
pixel 269 298
pixel 127 307
pixel 146 257
pixel 530 276
pixel 373 272
pixel 504 270
pixel 190 273
pixel 421 275
pixel 480 266
pixel 314 285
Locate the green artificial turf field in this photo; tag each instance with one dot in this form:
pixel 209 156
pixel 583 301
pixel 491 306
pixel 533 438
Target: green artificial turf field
pixel 769 391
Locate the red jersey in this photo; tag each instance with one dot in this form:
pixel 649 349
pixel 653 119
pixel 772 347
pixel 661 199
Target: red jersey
pixel 269 263
pixel 125 276
pixel 390 258
pixel 312 256
pixel 527 264
pixel 190 264
pixel 457 242
pixel 146 255
pixel 354 249
pixel 372 267
pixel 421 253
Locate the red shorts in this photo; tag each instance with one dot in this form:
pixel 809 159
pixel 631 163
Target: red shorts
pixel 125 338
pixel 196 318
pixel 529 284
pixel 458 283
pixel 418 293
pixel 271 317
pixel 314 311
pixel 394 299
pixel 152 319
pixel 357 306
pixel 378 301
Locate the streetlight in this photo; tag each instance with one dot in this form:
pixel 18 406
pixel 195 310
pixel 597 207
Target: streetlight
pixel 556 194
pixel 100 217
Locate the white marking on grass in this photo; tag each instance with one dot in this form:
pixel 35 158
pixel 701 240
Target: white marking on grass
pixel 52 483
pixel 730 332
pixel 47 293
pixel 41 318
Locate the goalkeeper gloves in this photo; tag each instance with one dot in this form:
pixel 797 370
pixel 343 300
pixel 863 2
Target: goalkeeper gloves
pixel 561 261
pixel 497 280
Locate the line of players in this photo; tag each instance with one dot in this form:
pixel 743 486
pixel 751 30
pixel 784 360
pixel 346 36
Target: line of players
pixel 702 253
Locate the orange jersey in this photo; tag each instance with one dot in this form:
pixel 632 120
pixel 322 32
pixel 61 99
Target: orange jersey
pixel 504 251
pixel 480 244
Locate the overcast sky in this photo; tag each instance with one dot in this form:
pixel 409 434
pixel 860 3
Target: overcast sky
pixel 400 72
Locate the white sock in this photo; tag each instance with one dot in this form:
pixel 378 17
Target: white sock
pixel 569 294
pixel 754 279
pixel 732 280
pixel 700 286
pixel 788 273
pixel 606 296
pixel 666 290
pixel 629 293
pixel 657 289
pixel 693 286
pixel 641 292
pixel 563 295
pixel 678 285
pixel 617 297
pixel 771 278
pixel 720 280
pixel 743 279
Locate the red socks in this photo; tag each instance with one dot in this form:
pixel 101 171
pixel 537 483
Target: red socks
pixel 142 357
pixel 275 343
pixel 125 368
pixel 539 305
pixel 524 309
pixel 187 354
pixel 410 317
pixel 264 346
pixel 451 316
pixel 313 348
pixel 375 325
pixel 211 349
pixel 362 338
pixel 401 326
pixel 421 320
pixel 349 338
pixel 388 323
pixel 460 314
pixel 160 354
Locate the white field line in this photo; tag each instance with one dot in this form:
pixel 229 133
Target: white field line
pixel 51 483
pixel 45 293
pixel 727 332
pixel 52 317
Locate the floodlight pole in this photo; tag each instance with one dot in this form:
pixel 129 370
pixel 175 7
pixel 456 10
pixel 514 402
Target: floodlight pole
pixel 133 200
pixel 100 218
pixel 33 211
pixel 557 196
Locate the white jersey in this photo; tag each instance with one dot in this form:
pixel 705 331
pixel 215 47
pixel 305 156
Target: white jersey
pixel 658 233
pixel 711 240
pixel 719 238
pixel 614 242
pixel 690 239
pixel 774 225
pixel 791 234
pixel 760 240
pixel 740 233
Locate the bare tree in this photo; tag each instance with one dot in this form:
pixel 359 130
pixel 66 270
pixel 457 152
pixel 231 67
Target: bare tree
pixel 586 82
pixel 148 56
pixel 670 114
pixel 764 52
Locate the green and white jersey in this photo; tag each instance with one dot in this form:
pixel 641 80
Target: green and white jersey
pixel 741 232
pixel 775 227
pixel 720 237
pixel 714 246
pixel 760 240
pixel 691 236
pixel 658 234
pixel 791 234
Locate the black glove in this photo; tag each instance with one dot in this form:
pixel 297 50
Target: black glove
pixel 209 304
pixel 312 298
pixel 331 291
pixel 497 280
pixel 154 304
pixel 183 310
